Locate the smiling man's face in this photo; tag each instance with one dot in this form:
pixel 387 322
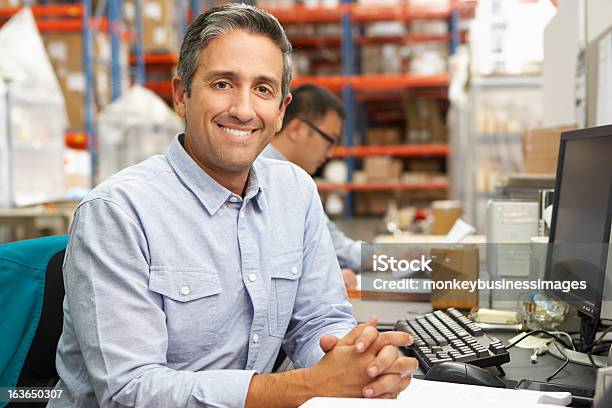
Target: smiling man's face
pixel 236 104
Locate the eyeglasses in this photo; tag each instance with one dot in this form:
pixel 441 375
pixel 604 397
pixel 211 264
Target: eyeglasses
pixel 330 140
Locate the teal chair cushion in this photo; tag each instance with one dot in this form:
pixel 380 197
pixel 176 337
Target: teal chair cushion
pixel 22 283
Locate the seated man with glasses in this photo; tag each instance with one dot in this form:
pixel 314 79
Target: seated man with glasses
pixel 311 127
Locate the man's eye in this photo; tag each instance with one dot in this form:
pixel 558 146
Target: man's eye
pixel 264 90
pixel 221 85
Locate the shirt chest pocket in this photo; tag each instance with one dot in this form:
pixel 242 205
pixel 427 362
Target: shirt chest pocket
pixel 285 271
pixel 191 304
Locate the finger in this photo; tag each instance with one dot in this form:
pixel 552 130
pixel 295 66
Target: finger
pixel 367 337
pixel 388 395
pixel 384 384
pixel 383 360
pixel 404 383
pixel 328 342
pixel 391 338
pixel 353 335
pixel 401 386
pixel 403 366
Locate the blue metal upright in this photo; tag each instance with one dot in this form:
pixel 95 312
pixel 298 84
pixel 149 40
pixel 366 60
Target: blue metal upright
pixel 114 26
pixel 454 31
pixel 89 95
pixel 196 7
pixel 182 17
pixel 348 96
pixel 139 76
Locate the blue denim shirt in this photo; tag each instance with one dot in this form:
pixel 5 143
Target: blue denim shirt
pixel 348 250
pixel 178 290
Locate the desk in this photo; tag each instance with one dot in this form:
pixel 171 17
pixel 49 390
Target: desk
pixel 519 366
pixel 32 222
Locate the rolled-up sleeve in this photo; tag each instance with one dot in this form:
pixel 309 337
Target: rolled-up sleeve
pixel 321 305
pixel 120 325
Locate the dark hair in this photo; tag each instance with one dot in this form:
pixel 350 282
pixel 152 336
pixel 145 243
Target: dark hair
pixel 221 20
pixel 312 102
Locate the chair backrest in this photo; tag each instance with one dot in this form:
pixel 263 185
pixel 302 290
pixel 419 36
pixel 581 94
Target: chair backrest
pixel 31 296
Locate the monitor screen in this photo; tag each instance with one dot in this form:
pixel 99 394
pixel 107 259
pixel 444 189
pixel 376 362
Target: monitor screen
pixel 580 230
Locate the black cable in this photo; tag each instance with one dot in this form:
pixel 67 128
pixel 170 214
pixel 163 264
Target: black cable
pixel 592 362
pixel 565 363
pixel 531 333
pixel 588 330
pixel 599 340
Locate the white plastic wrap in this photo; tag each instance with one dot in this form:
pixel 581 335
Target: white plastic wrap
pixel 132 128
pixel 31 164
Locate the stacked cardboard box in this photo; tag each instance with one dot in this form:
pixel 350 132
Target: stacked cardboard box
pixel 381 59
pixel 424 122
pixel 10 3
pixel 65 51
pixel 384 136
pixel 541 149
pixel 382 168
pixel 159 24
pixel 374 203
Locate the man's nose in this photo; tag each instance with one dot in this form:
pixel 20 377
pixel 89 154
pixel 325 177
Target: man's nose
pixel 242 106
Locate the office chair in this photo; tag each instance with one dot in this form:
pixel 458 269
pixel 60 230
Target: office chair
pixel 31 296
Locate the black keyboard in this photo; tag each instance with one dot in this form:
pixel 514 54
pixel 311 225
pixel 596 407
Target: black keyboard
pixel 450 336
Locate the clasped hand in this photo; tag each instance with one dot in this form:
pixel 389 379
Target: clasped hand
pixel 367 363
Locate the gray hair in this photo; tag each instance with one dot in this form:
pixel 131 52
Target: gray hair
pixel 221 20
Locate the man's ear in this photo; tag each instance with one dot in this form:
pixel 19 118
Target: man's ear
pixel 295 131
pixel 178 96
pixel 283 109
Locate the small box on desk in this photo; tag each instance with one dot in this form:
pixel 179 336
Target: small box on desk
pixel 452 267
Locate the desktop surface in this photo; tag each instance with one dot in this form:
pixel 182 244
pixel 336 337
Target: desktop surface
pixel 519 367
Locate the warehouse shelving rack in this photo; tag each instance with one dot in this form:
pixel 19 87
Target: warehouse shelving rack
pixel 357 89
pixel 78 18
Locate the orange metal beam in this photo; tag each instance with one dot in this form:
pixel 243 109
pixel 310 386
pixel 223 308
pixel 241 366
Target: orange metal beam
pixel 417 150
pixel 160 59
pixel 381 186
pixel 375 82
pixel 69 10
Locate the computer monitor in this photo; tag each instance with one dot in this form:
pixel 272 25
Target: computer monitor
pixel 579 243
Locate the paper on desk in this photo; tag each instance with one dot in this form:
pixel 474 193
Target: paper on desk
pixel 440 394
pixel 460 230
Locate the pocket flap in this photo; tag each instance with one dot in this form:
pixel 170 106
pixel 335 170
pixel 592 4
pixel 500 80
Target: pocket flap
pixel 287 265
pixel 183 284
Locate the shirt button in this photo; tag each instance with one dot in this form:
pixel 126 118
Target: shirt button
pixel 233 199
pixel 241 214
pixel 255 338
pixel 185 290
pixel 252 277
pixel 294 270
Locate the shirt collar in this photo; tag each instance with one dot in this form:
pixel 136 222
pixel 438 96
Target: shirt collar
pixel 208 191
pixel 273 153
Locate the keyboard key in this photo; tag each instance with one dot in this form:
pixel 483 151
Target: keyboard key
pixel 441 360
pixel 466 357
pixel 450 336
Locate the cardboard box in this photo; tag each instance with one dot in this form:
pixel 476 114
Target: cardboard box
pixel 541 149
pixel 383 136
pixel 372 203
pixel 159 24
pixel 450 264
pixel 65 50
pixel 11 3
pixel 424 123
pixel 382 168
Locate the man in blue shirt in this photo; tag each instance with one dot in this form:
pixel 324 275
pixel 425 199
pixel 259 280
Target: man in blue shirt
pixel 186 273
pixel 311 128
